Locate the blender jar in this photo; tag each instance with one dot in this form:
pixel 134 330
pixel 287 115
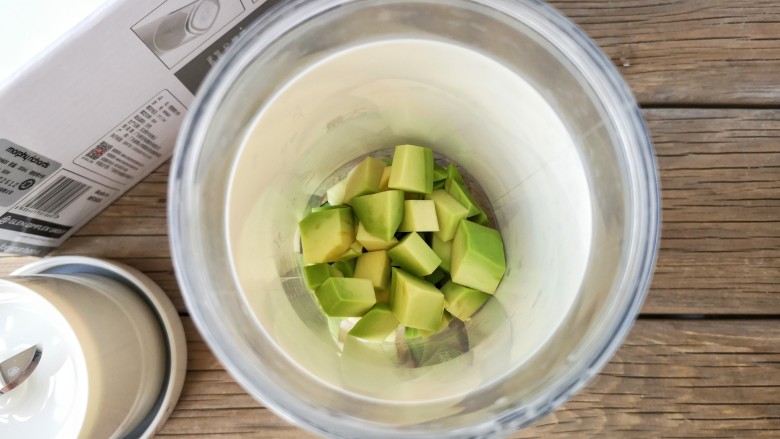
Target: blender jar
pixel 514 94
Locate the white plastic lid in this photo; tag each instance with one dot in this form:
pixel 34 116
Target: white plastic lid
pixel 176 343
pixel 52 401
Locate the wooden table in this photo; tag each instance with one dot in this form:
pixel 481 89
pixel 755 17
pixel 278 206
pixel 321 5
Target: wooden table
pixel 703 360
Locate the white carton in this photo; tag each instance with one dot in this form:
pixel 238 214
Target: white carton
pixel 99 108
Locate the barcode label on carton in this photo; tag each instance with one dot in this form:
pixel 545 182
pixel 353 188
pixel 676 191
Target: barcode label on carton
pixel 65 199
pixel 57 196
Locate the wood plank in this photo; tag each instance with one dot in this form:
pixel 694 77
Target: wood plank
pixel 695 52
pixel 672 378
pixel 720 178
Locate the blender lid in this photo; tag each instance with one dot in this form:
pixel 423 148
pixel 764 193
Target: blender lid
pixel 51 401
pixel 36 321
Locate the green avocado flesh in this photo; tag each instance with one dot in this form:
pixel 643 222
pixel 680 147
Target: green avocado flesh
pixel 439 172
pixel 462 302
pixel 456 186
pixel 316 274
pixel 449 213
pixel 380 213
pixel 403 247
pixel 437 276
pixel 326 235
pixel 366 178
pixel 413 255
pixel 477 257
pixel 443 250
pixel 374 266
pixel 346 266
pixel 412 169
pixel 346 297
pixel 419 216
pixel 376 325
pixel 372 242
pixel 415 302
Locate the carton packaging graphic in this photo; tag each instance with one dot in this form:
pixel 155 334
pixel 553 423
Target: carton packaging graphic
pixel 99 109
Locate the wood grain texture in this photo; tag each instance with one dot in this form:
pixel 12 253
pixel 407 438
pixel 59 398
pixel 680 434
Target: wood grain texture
pixel 720 178
pixel 671 379
pixel 720 247
pixel 692 52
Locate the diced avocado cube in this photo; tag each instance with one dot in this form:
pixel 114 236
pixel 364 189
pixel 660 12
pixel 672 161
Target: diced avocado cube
pixel 414 255
pixel 326 235
pixel 449 212
pixel 454 174
pixel 439 172
pixel 481 219
pixel 477 257
pixel 385 178
pixel 443 250
pixel 349 254
pixel 316 274
pixel 346 266
pixel 446 318
pixel 376 325
pixel 462 302
pixel 336 193
pixel 365 178
pixel 374 266
pixel 437 276
pixel 419 216
pixel 346 297
pixel 354 250
pixel 371 242
pixel 380 213
pixel 415 302
pixel 412 169
pixel 460 193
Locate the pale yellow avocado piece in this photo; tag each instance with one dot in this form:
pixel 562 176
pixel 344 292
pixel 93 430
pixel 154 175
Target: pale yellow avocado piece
pixel 462 302
pixel 374 266
pixel 414 255
pixel 326 235
pixel 449 213
pixel 354 250
pixel 478 259
pixel 376 325
pixel 419 216
pixel 415 302
pixel 372 242
pixel 412 169
pixel 444 250
pixel 364 179
pixel 346 297
pixel 380 213
pixel 336 193
pixel 385 178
